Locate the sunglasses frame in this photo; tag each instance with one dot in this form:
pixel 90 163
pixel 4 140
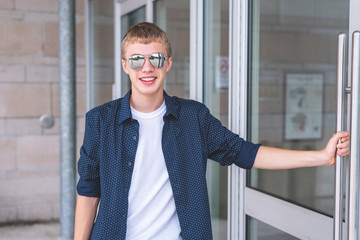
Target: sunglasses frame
pixel 161 59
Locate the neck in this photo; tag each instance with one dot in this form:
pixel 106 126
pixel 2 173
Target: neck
pixel 146 103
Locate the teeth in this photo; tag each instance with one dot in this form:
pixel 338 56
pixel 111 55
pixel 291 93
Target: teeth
pixel 147 79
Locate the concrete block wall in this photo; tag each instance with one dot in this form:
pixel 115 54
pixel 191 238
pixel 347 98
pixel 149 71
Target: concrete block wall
pixel 29 88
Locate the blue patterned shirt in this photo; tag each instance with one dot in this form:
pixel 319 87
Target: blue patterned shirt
pixel 191 136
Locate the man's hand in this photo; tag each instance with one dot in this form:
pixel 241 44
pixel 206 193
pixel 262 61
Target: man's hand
pixel 338 144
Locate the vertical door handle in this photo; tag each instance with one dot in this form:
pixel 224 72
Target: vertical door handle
pixel 340 113
pixel 354 141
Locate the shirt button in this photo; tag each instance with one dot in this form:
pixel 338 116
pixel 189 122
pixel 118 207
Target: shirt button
pixel 129 163
pixel 134 137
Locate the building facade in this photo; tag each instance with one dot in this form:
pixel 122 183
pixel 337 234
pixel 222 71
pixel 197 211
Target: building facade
pixel 267 69
pixel 29 89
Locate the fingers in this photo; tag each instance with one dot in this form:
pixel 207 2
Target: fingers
pixel 343 152
pixel 345 139
pixel 342 134
pixel 343 147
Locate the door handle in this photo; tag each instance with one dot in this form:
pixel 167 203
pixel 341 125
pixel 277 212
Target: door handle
pixel 354 141
pixel 340 113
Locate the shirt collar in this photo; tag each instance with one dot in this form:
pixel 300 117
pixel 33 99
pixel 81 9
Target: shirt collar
pixel 124 112
pixel 172 107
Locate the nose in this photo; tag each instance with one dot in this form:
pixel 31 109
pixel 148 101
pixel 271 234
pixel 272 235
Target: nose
pixel 147 67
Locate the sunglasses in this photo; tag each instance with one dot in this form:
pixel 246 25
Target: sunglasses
pixel 137 61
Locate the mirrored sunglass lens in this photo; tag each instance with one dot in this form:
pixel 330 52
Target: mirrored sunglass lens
pixel 157 60
pixel 136 61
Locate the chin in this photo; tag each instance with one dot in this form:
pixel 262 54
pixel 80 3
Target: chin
pixel 149 91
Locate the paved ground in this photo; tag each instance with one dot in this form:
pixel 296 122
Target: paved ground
pixel 38 231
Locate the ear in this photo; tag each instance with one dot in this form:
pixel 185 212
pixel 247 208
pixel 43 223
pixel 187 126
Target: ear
pixel 124 65
pixel 169 64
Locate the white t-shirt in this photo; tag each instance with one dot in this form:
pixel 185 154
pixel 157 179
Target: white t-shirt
pixel 151 212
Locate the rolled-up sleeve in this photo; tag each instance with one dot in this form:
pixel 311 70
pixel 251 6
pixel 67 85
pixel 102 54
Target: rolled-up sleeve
pixel 246 156
pixel 89 162
pixel 226 147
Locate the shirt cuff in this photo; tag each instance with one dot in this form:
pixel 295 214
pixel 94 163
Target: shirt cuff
pixel 88 188
pixel 246 157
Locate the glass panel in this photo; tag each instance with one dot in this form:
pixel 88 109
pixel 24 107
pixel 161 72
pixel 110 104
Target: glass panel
pixel 293 84
pixel 103 50
pixel 216 45
pixel 127 21
pixel 258 230
pixel 173 16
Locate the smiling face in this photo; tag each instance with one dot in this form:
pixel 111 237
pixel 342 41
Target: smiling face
pixel 147 80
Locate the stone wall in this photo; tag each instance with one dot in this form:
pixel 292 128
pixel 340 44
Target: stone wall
pixel 29 88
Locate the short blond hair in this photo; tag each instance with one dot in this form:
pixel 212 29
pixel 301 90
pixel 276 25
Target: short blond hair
pixel 145 33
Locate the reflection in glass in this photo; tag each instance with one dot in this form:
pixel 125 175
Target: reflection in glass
pixel 127 21
pixel 216 44
pixel 103 50
pixel 258 230
pixel 295 42
pixel 173 16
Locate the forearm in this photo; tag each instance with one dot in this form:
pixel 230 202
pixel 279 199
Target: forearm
pixel 275 158
pixel 86 208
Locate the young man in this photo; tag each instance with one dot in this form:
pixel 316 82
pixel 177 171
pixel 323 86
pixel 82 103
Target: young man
pixel 145 155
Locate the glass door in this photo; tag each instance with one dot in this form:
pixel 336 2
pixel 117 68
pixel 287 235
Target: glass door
pixel 127 14
pixel 128 20
pixel 173 17
pixel 215 97
pixel 292 87
pixel 100 52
